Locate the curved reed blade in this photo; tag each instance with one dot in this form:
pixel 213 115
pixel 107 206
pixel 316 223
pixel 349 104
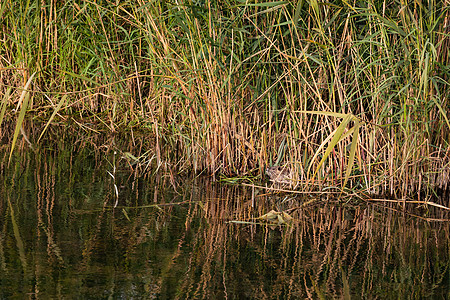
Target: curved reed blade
pixel 351 158
pixel 298 9
pixel 336 138
pixel 60 104
pixel 319 149
pixel 25 91
pixel 4 105
pixel 19 123
pixel 281 152
pixel 441 110
pixel 24 97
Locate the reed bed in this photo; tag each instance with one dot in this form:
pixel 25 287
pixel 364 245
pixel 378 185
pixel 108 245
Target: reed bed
pixel 348 95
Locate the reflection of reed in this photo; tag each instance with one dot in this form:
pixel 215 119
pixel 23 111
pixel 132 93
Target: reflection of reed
pixel 180 245
pixel 327 248
pixel 65 223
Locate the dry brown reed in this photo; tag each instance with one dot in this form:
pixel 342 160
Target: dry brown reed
pixel 159 240
pixel 226 88
pixel 328 251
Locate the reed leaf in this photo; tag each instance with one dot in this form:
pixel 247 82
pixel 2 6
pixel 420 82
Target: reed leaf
pixel 336 139
pixel 24 97
pixel 336 136
pixel 4 104
pixel 19 123
pixel 281 152
pixel 24 92
pixel 60 104
pixel 319 149
pixel 441 110
pixel 298 10
pixel 352 153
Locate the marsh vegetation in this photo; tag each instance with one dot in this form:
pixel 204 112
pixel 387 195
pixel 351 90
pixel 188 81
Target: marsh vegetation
pixel 111 110
pixel 348 95
pixel 61 237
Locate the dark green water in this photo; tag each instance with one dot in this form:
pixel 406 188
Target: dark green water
pixel 168 238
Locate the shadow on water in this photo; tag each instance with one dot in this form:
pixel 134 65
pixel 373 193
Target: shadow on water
pixel 61 238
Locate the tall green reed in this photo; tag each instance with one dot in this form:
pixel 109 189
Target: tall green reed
pixel 226 87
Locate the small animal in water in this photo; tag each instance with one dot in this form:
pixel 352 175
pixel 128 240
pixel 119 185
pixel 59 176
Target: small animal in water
pixel 280 175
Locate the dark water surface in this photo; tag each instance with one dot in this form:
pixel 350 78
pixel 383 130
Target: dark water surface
pixel 61 238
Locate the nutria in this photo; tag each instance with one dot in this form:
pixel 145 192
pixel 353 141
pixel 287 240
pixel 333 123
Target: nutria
pixel 279 174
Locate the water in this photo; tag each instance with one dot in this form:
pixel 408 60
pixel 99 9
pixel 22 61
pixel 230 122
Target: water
pixel 61 238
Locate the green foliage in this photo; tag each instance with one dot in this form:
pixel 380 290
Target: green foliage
pixel 219 85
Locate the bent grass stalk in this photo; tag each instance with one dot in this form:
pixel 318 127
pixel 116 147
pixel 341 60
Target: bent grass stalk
pixel 23 106
pixel 4 104
pixel 57 108
pixel 336 136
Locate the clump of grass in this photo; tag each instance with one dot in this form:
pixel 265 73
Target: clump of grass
pixel 231 87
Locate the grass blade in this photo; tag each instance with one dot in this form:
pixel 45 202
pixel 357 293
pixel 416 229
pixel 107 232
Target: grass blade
pixel 4 105
pixel 25 91
pixel 60 104
pixel 351 158
pixel 336 138
pixel 19 123
pixel 24 97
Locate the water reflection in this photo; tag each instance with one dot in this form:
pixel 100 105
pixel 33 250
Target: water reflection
pixel 61 238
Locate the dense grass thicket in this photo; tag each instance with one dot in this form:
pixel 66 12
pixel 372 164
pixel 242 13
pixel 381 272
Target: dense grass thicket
pixel 352 93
